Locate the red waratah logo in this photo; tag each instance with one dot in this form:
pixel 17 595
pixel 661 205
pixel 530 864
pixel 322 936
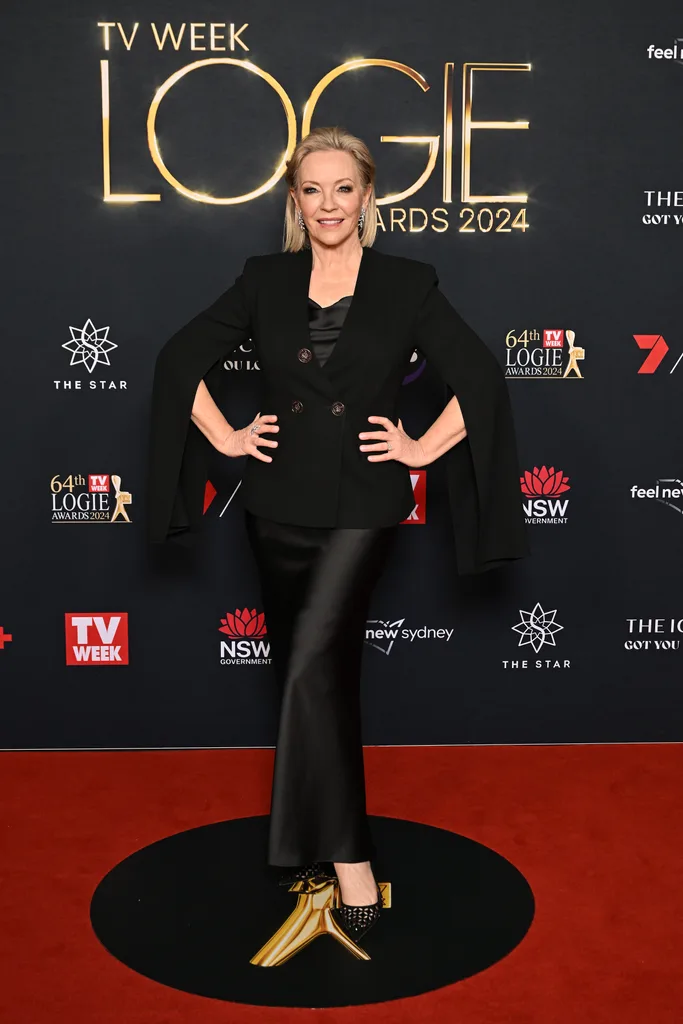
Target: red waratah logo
pixel 244 623
pixel 544 481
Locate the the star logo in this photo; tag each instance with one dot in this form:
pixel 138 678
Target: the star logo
pixel 537 628
pixel 89 345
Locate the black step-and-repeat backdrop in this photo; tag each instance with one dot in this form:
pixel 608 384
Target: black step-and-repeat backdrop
pixel 532 153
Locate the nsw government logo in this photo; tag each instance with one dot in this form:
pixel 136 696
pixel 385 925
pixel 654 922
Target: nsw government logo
pixel 94 638
pixel 246 644
pixel 542 354
pixel 542 489
pixel 537 629
pixel 91 498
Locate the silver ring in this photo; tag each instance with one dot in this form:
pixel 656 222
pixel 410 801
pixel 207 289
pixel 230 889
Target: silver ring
pixel 253 429
pixel 388 446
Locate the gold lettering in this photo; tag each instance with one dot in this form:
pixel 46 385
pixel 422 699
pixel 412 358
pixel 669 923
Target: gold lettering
pixel 127 42
pixel 214 36
pixel 415 210
pixel 168 31
pixel 352 65
pixel 447 177
pixel 235 36
pixel 204 197
pixel 108 196
pixel 468 125
pixel 106 25
pixel 440 220
pixel 194 35
pixel 397 218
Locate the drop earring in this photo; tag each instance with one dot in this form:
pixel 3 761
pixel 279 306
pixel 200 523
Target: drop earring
pixel 361 219
pixel 301 220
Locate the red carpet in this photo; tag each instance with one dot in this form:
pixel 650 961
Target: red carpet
pixel 596 830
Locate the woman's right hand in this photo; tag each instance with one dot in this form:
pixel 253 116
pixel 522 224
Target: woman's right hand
pixel 247 440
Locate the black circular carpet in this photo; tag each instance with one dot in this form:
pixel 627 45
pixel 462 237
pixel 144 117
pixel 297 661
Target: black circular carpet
pixel 191 910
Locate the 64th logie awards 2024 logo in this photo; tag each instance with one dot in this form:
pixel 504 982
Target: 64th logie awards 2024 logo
pixel 541 354
pixel 91 498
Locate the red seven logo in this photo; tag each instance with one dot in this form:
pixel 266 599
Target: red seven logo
pixel 658 349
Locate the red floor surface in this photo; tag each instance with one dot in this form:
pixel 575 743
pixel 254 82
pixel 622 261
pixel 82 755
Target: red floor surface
pixel 597 831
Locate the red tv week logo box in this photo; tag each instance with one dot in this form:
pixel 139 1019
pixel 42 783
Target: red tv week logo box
pixel 98 483
pixel 94 638
pixel 553 339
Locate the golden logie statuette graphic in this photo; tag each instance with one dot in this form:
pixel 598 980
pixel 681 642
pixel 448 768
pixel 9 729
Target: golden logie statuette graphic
pixel 431 141
pixel 575 353
pixel 310 918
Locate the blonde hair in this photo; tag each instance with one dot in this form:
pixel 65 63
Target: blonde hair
pixel 319 140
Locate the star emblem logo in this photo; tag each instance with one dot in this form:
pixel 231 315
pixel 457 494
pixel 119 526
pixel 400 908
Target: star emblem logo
pixel 537 627
pixel 89 345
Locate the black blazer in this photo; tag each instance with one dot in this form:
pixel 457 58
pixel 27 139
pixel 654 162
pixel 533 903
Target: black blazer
pixel 318 476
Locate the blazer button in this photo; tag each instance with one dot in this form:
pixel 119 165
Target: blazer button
pixel 337 408
pixel 297 405
pixel 305 355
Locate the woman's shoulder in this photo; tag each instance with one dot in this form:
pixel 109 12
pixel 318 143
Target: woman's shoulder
pixel 404 270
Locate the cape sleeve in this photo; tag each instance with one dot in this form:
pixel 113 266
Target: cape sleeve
pixel 178 451
pixel 482 470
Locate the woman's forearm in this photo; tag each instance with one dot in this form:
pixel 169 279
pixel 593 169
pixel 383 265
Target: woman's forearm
pixel 445 431
pixel 208 417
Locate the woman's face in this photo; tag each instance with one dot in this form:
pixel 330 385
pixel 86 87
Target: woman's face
pixel 329 196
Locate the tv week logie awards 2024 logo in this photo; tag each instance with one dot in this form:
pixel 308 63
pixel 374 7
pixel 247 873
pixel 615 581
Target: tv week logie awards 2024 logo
pixel 539 355
pixel 91 498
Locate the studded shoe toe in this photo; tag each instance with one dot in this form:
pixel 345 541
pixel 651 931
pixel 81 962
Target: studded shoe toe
pixel 357 920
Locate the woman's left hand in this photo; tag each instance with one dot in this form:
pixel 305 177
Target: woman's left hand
pixel 392 443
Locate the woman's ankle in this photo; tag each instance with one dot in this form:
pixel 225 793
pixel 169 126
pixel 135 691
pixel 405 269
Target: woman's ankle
pixel 356 882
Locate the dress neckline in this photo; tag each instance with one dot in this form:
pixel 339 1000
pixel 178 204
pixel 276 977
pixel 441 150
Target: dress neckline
pixel 331 304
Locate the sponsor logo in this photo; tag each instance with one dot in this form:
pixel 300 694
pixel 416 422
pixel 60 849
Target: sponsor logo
pixel 418 478
pixel 95 498
pixel 89 347
pixel 246 644
pixel 542 488
pixel 383 633
pixel 5 638
pixel 96 638
pixel 653 634
pixel 667 490
pixel 657 348
pixel 243 360
pixel 661 207
pixel 537 629
pixel 539 354
pixel 672 52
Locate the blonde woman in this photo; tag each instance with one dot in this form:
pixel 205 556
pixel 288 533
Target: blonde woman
pixel 327 481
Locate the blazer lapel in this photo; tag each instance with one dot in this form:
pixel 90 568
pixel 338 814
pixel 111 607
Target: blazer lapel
pixel 336 377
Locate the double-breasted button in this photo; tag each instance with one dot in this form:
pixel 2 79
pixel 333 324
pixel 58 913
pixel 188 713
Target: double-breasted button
pixel 337 408
pixel 305 355
pixel 297 405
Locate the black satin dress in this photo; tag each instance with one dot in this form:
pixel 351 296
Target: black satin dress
pixel 316 585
